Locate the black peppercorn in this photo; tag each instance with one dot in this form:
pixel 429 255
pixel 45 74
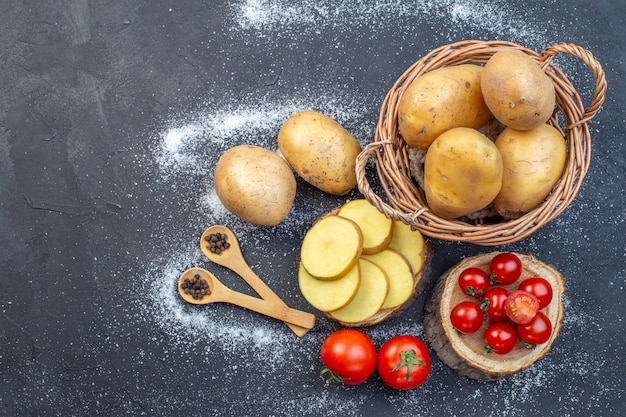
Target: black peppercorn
pixel 217 243
pixel 197 287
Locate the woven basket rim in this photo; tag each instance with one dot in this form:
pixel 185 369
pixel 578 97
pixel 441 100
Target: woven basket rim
pixel 406 201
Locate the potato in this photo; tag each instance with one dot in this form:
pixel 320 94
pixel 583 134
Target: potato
pixel 517 91
pixel 533 161
pixel 369 297
pixel 410 244
pixel 331 247
pixel 462 173
pixel 255 184
pixel 329 295
pixel 440 100
pixel 375 226
pixel 320 150
pixel 399 275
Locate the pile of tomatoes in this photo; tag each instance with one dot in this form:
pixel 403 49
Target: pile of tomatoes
pixel 512 315
pixel 350 358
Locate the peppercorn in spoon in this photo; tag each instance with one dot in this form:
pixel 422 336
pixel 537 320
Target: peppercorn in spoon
pixel 199 286
pixel 219 244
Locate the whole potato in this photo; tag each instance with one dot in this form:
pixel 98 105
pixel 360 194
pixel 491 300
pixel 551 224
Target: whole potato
pixel 518 93
pixel 320 150
pixel 440 100
pixel 255 184
pixel 533 161
pixel 462 173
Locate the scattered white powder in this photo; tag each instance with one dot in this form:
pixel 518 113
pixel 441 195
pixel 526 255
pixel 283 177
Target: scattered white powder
pixel 185 152
pixel 186 146
pixel 498 18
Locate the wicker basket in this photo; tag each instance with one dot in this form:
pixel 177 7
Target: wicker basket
pixel 407 201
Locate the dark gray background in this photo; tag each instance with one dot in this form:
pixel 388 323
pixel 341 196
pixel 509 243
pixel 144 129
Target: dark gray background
pixel 112 116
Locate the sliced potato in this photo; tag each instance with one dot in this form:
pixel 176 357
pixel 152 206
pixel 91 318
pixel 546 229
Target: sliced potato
pixel 399 274
pixel 375 226
pixel 331 247
pixel 370 296
pixel 329 295
pixel 410 243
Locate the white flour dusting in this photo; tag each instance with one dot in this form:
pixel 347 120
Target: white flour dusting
pixel 182 147
pixel 494 17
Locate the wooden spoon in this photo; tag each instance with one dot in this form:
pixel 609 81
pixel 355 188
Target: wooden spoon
pixel 233 259
pixel 218 292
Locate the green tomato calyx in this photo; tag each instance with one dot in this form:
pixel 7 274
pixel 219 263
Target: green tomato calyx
pixel 330 376
pixel 408 360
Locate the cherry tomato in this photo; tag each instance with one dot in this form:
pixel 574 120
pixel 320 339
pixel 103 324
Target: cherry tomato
pixel 538 287
pixel 403 362
pixel 474 282
pixel 493 304
pixel 466 317
pixel 521 306
pixel 349 357
pixel 500 338
pixel 535 332
pixel 505 268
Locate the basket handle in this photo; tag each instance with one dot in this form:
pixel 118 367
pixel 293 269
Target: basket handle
pixel 364 187
pixel 587 57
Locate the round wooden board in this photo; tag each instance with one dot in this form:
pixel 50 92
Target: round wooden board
pixel 465 353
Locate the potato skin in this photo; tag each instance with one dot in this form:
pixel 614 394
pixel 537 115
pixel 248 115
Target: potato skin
pixel 518 93
pixel 440 100
pixel 255 184
pixel 533 161
pixel 462 173
pixel 320 150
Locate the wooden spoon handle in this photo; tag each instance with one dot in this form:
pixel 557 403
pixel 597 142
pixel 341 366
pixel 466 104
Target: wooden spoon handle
pixel 281 312
pixel 241 268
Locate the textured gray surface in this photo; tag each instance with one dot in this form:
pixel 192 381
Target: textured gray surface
pixel 112 116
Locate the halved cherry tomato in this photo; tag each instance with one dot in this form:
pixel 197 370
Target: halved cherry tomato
pixel 521 306
pixel 500 338
pixel 538 287
pixel 505 268
pixel 474 282
pixel 403 362
pixel 535 332
pixel 349 357
pixel 493 304
pixel 466 317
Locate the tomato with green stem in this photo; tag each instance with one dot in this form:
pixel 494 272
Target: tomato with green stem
pixel 505 268
pixel 500 338
pixel 535 332
pixel 403 362
pixel 540 288
pixel 474 282
pixel 349 357
pixel 466 317
pixel 493 304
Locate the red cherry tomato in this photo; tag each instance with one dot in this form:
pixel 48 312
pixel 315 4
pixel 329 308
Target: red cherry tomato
pixel 500 338
pixel 466 317
pixel 349 357
pixel 505 268
pixel 521 306
pixel 403 362
pixel 535 332
pixel 474 282
pixel 538 287
pixel 493 304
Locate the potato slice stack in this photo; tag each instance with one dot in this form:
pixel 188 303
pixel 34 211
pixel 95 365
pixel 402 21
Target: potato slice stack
pixel 359 267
